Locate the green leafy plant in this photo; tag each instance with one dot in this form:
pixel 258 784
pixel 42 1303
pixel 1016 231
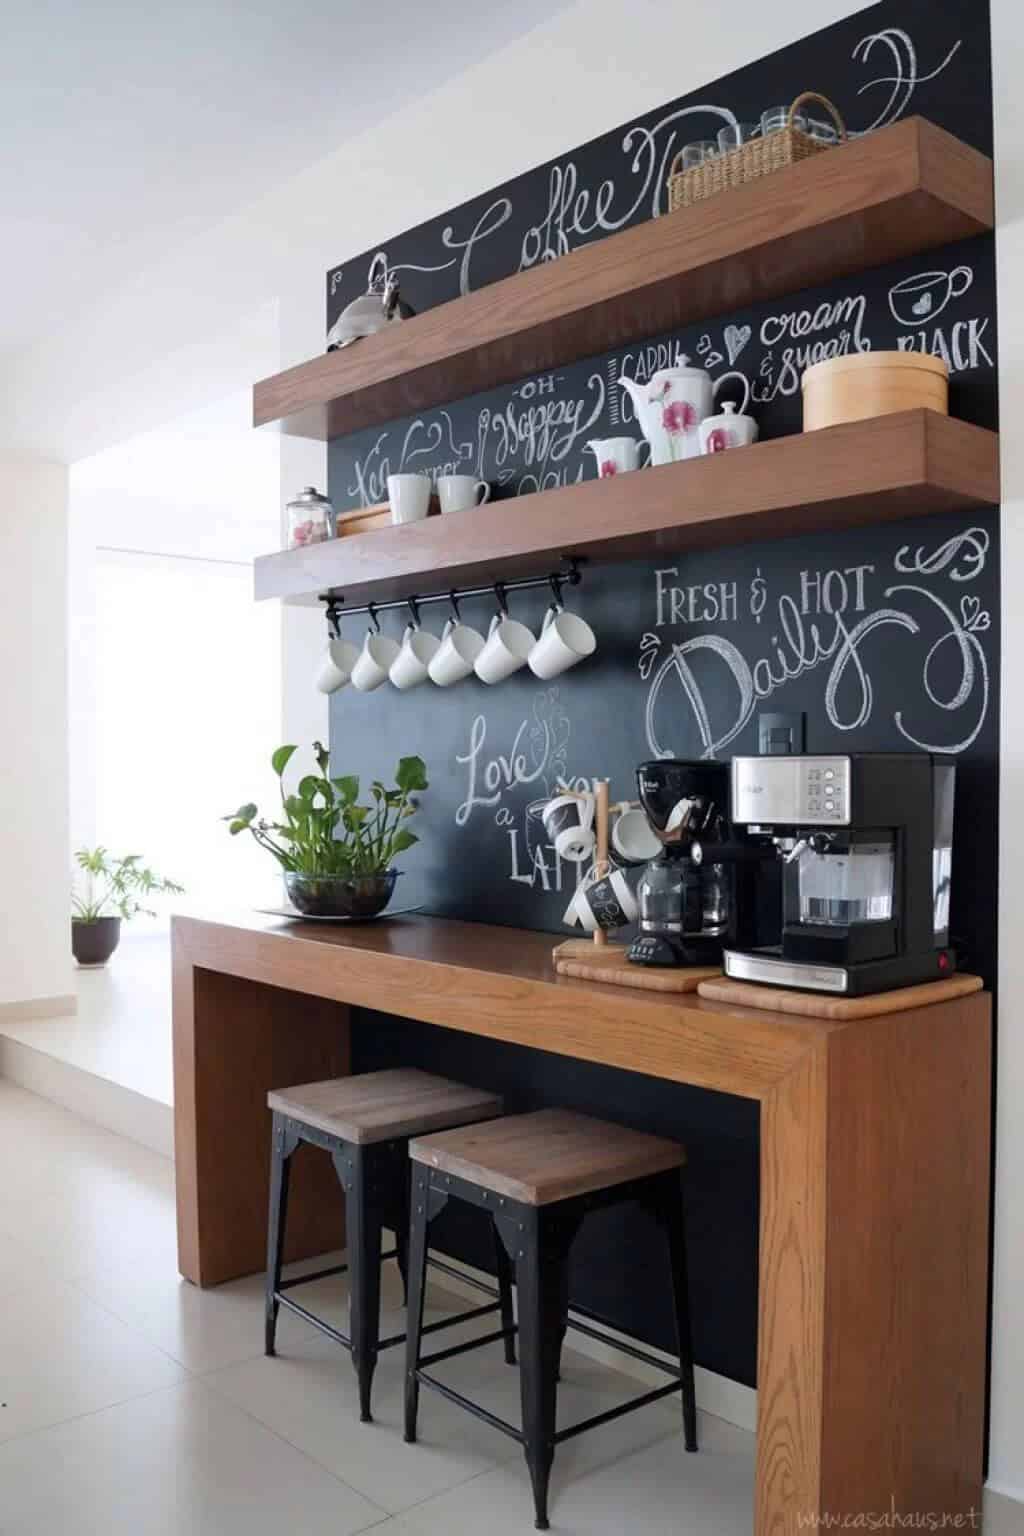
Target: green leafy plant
pixel 116 887
pixel 324 830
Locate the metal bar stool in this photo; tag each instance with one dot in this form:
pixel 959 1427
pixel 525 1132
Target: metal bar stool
pixel 365 1122
pixel 537 1176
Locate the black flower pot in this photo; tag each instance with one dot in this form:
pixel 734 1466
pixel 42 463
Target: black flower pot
pixel 94 943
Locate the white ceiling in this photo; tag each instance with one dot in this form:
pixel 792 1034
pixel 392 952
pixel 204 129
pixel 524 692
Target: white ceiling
pixel 129 125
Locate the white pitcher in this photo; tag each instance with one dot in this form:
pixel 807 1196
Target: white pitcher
pixel 672 404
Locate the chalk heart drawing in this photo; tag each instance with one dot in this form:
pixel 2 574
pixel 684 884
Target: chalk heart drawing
pixel 975 618
pixel 736 339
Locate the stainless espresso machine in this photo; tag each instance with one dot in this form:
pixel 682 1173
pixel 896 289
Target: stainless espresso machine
pixel 867 845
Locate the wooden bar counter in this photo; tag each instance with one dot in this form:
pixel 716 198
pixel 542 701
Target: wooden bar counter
pixel 873 1252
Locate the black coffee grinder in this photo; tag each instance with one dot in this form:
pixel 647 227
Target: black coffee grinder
pixel 685 902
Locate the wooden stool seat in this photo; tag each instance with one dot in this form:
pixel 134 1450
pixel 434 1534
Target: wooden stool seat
pixel 381 1106
pixel 548 1156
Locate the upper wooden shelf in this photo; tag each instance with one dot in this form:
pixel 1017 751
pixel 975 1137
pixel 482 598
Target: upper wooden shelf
pixel 903 190
pixel 864 472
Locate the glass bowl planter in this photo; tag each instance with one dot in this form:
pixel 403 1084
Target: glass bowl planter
pixel 351 896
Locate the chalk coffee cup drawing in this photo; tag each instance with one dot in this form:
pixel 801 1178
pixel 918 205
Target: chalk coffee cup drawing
pixel 564 640
pixel 409 497
pixel 617 455
pixel 454 658
pixel 507 648
pixel 920 299
pixel 569 825
pixel 460 493
pixel 412 664
pixel 377 657
pixel 336 668
pixel 605 902
pixel 633 842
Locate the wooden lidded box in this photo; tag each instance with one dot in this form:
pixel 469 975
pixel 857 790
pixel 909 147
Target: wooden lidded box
pixel 873 384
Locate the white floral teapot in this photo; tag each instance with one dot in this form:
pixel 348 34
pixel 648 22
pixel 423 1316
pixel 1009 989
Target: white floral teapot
pixel 672 404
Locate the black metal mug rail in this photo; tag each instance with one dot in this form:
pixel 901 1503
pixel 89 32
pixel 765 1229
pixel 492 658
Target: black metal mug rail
pixel 556 580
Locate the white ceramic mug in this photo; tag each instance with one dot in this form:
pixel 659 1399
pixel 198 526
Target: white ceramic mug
pixel 605 902
pixel 508 648
pixel 564 640
pixel 412 664
pixel 569 826
pixel 727 430
pixel 377 657
pixel 459 493
pixel 633 841
pixel 336 668
pixel 409 497
pixel 454 658
pixel 617 455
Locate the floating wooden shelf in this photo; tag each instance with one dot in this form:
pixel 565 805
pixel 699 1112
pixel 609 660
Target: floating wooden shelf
pixel 903 190
pixel 865 472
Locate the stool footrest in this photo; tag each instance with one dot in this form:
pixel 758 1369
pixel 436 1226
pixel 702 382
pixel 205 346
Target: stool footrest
pixel 616 1413
pixel 461 1349
pixel 471 1407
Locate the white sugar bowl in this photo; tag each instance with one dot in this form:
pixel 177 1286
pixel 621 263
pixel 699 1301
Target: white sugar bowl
pixel 729 429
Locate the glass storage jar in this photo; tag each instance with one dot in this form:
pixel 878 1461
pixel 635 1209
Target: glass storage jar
pixel 311 518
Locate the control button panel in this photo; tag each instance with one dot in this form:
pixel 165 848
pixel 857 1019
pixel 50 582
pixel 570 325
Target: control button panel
pixel 803 791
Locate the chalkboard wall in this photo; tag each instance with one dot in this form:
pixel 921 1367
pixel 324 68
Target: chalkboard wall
pixel 886 638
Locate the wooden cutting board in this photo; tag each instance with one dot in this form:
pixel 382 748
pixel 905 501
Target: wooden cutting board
pixel 819 1005
pixel 585 961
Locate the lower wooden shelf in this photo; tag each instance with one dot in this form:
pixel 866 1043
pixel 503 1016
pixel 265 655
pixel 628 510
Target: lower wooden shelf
pixel 905 465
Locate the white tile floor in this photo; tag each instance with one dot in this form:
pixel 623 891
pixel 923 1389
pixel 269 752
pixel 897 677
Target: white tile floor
pixel 132 1404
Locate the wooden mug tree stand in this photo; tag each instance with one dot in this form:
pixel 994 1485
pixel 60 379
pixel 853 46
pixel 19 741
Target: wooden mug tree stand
pixel 601 959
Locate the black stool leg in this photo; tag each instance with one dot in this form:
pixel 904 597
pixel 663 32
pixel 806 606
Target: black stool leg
pixel 672 1216
pixel 563 1315
pixel 505 1275
pixel 363 1217
pixel 402 1224
pixel 539 1276
pixel 426 1204
pixel 282 1145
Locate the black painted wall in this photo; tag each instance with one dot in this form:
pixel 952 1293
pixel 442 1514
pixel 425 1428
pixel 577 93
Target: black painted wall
pixel 885 638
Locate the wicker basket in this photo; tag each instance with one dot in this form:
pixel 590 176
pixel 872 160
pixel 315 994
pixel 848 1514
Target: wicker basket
pixel 758 157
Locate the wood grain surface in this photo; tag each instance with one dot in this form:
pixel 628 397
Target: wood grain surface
pixel 822 1005
pixel 546 1156
pixel 910 464
pixel 874 1173
pixel 376 1106
pixel 908 188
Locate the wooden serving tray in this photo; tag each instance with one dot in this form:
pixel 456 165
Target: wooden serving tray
pixel 587 962
pixel 818 1005
pixel 366 519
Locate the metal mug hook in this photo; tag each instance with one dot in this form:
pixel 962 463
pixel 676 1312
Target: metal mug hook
pixel 556 586
pixel 414 609
pixel 502 598
pixel 453 598
pixel 371 609
pixel 333 622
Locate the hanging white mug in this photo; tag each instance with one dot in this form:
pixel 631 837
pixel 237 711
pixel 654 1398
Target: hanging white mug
pixel 412 664
pixel 336 668
pixel 564 640
pixel 460 646
pixel 377 657
pixel 508 648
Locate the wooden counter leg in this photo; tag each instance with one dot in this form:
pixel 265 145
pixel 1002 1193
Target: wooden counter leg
pixel 233 1041
pixel 874 1273
pixel 791 1298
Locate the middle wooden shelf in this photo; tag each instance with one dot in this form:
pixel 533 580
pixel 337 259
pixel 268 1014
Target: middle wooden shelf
pixel 905 465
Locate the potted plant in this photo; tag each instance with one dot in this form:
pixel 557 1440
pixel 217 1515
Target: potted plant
pixel 337 855
pixel 115 889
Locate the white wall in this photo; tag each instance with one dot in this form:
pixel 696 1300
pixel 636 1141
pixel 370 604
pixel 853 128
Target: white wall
pixel 35 952
pixel 588 69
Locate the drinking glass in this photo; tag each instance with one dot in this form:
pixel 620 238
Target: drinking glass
pixel 778 117
pixel 695 154
pixel 825 133
pixel 735 134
